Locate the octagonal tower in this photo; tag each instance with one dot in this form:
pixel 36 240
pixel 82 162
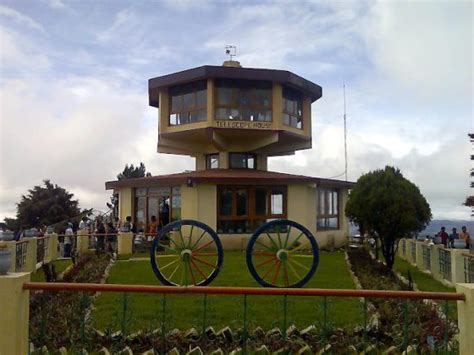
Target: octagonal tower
pixel 233 117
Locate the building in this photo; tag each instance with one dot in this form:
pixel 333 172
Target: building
pixel 231 119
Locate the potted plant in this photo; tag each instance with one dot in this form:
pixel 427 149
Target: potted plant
pixel 8 235
pixel 5 258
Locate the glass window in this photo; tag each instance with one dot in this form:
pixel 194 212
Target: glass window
pixel 292 114
pixel 243 100
pixel 188 103
pixel 175 208
pixel 328 209
pixel 162 202
pixel 244 209
pixel 242 161
pixel 212 161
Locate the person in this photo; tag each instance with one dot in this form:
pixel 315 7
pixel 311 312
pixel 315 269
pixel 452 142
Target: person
pixel 68 238
pixel 138 241
pixel 117 224
pixel 164 214
pixel 452 237
pixel 444 236
pixel 153 226
pixel 128 225
pixel 83 223
pixel 111 232
pixel 100 234
pixel 464 235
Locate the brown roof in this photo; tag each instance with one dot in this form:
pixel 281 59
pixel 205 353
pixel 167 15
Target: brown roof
pixel 214 71
pixel 228 176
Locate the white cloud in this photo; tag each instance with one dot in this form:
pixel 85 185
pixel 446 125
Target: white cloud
pixel 20 18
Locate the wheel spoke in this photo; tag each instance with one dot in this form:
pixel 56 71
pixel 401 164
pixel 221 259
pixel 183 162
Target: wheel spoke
pixel 271 268
pixel 294 271
pixel 205 245
pixel 287 237
pixel 191 272
pixel 160 256
pixel 198 269
pixel 181 237
pixel 299 264
pixel 167 247
pixel 287 282
pixel 263 245
pixel 260 253
pixel 204 262
pixel 276 272
pixel 174 271
pixel 190 236
pixel 302 255
pixel 205 254
pixel 301 246
pixel 296 240
pixel 199 239
pixel 280 245
pixel 272 241
pixel 265 262
pixel 169 264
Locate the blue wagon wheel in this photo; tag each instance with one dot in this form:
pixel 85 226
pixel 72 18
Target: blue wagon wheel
pixel 186 253
pixel 282 253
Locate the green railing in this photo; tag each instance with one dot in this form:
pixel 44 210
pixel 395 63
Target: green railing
pixel 413 252
pixel 20 255
pixel 445 264
pixel 426 257
pixel 326 336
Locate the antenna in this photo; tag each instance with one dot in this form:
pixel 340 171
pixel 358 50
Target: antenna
pixel 231 51
pixel 345 132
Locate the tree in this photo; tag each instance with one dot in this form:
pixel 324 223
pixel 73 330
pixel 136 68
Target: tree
pixel 45 206
pixel 131 172
pixel 387 204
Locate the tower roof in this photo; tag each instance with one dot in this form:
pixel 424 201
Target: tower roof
pixel 213 71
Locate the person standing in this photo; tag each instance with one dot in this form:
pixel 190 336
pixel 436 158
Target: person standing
pixel 452 237
pixel 68 239
pixel 444 237
pixel 100 230
pixel 464 235
pixel 153 226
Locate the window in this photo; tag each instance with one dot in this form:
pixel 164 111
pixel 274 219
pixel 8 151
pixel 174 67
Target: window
pixel 162 202
pixel 212 161
pixel 243 100
pixel 292 110
pixel 242 209
pixel 328 209
pixel 188 103
pixel 242 161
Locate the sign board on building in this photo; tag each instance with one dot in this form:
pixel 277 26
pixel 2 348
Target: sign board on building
pixel 243 124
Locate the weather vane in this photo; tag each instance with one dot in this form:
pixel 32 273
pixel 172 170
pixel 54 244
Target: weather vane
pixel 231 51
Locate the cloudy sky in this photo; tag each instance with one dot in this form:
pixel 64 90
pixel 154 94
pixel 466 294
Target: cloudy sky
pixel 74 104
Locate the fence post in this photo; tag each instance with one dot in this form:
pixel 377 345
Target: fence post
pixel 466 318
pixel 435 262
pixel 82 241
pixel 53 246
pixel 419 255
pixel 125 241
pixel 14 314
pixel 31 255
pixel 457 265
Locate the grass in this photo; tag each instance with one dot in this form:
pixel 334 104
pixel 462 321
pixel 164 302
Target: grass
pixel 60 266
pixel 185 311
pixel 425 282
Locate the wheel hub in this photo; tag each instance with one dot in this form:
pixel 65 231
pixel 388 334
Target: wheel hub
pixel 186 254
pixel 282 254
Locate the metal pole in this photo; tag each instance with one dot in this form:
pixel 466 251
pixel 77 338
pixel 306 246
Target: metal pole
pixel 345 133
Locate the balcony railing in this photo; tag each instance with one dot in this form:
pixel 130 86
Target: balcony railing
pixel 426 257
pixel 445 264
pixel 20 255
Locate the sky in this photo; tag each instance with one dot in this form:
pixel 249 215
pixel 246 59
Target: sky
pixel 74 75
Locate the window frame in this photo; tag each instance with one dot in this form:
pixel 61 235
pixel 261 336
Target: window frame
pixel 251 217
pixel 196 86
pixel 326 214
pixel 300 99
pixel 209 161
pixel 236 85
pixel 253 155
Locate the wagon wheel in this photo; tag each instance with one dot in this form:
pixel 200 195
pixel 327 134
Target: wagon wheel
pixel 282 253
pixel 186 253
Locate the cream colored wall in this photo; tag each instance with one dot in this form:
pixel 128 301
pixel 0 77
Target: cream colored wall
pixel 125 202
pixel 302 206
pixel 207 204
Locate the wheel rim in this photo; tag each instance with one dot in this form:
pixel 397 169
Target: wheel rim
pixel 282 253
pixel 186 253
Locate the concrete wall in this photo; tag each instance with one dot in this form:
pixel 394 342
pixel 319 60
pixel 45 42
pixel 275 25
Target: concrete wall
pixel 125 202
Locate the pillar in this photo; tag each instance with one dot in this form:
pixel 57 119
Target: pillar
pixel 125 243
pixel 53 246
pixel 457 265
pixel 435 262
pixel 30 265
pixel 14 315
pixel 466 318
pixel 82 241
pixel 419 255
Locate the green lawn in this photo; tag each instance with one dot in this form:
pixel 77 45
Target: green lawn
pixel 60 266
pixel 425 282
pixel 185 311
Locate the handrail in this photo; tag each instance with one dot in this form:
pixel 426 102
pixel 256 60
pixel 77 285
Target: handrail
pixel 91 287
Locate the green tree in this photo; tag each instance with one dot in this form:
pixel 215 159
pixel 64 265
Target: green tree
pixel 387 204
pixel 46 205
pixel 130 172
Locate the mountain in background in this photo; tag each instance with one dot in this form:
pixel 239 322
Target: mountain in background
pixel 434 226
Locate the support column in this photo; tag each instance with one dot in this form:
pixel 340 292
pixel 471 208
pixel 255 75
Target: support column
pixel 82 241
pixel 435 262
pixel 30 265
pixel 419 255
pixel 125 243
pixel 457 265
pixel 53 246
pixel 466 318
pixel 14 315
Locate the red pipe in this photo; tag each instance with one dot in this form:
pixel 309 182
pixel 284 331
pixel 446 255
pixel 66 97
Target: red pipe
pixel 89 287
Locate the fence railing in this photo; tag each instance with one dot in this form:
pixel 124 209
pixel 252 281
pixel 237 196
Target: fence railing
pixel 40 249
pixel 468 268
pixel 445 264
pixel 426 257
pixel 21 249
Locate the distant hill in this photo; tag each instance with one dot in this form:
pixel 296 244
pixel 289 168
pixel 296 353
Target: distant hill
pixel 435 226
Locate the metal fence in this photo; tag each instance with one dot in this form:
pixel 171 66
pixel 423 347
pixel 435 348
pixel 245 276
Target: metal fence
pixel 20 255
pixel 413 252
pixel 445 264
pixel 40 249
